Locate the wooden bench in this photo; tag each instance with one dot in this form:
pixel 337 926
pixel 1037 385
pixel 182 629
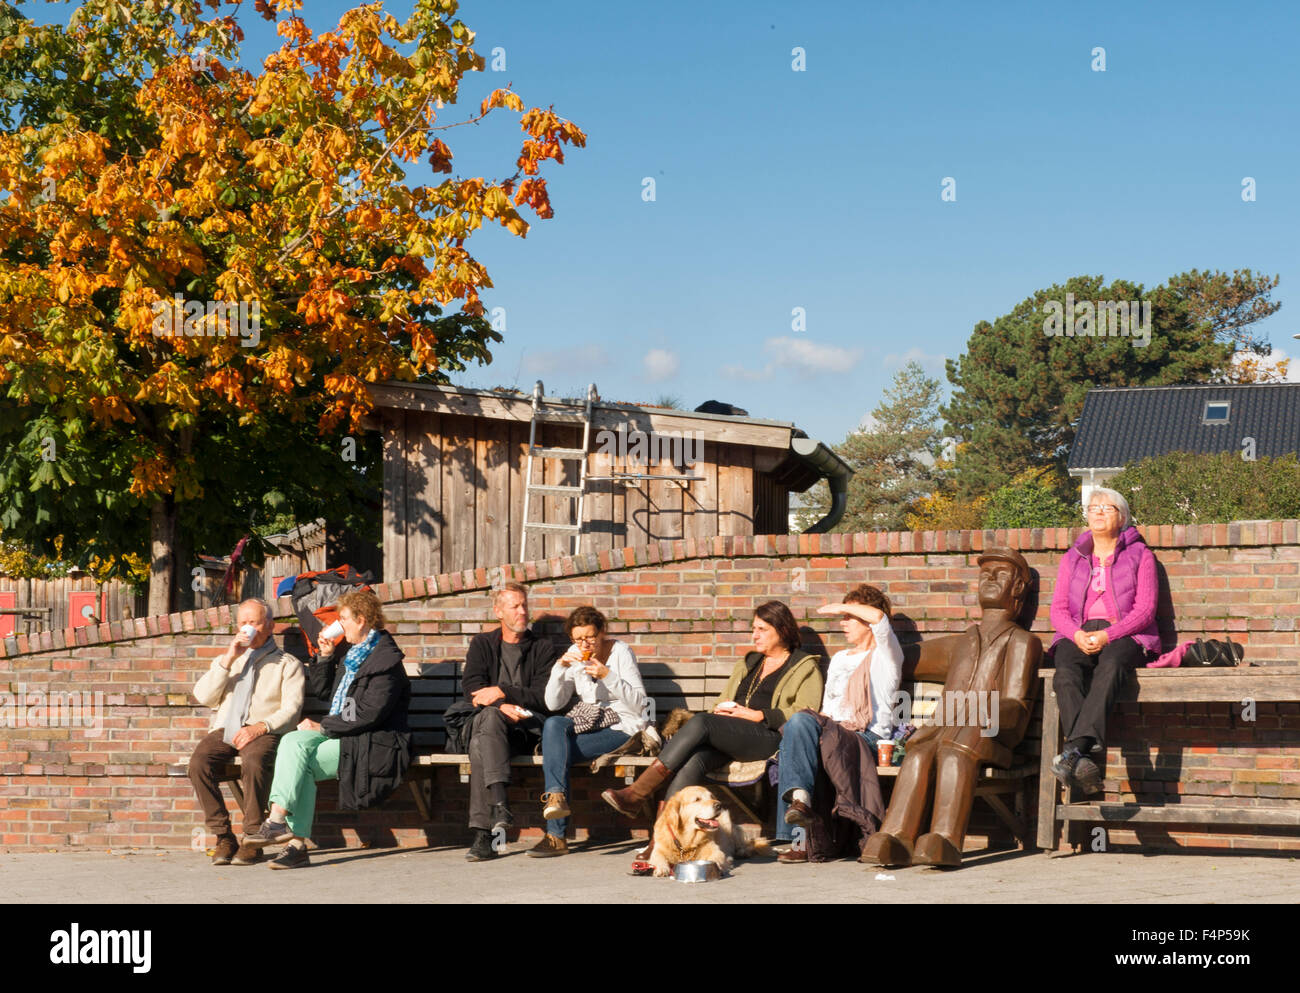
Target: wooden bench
pixel 1265 684
pixel 696 685
pixel 693 686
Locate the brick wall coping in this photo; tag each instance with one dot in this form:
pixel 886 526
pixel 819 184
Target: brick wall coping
pixel 1239 534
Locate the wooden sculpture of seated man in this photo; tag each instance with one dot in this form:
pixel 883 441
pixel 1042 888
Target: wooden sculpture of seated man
pixel 991 672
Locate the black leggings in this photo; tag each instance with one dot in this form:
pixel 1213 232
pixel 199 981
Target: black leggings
pixel 710 741
pixel 1085 685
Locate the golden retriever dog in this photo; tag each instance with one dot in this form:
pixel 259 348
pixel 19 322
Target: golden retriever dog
pixel 695 825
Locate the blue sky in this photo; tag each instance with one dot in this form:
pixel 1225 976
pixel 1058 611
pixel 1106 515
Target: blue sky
pixel 820 189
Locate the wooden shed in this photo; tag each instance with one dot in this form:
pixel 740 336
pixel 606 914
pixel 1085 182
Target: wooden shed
pixel 456 462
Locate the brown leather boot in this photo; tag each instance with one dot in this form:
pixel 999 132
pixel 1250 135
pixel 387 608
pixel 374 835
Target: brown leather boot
pixel 633 800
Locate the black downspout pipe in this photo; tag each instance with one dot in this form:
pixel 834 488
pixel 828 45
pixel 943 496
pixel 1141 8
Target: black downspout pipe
pixel 837 477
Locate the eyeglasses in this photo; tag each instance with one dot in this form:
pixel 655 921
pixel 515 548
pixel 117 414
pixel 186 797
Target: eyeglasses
pixel 587 641
pixel 1102 508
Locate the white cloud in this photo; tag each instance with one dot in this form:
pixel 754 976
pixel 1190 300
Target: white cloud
pixel 806 355
pixel 562 360
pixel 660 364
pixel 799 355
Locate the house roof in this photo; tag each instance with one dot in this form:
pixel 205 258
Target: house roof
pixel 1119 426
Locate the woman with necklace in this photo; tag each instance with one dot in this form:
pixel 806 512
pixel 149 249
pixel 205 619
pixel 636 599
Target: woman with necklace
pixel 766 688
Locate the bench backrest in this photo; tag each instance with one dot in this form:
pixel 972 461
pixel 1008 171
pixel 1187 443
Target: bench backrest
pixel 693 686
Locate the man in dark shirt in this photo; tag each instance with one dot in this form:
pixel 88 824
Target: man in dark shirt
pixel 506 671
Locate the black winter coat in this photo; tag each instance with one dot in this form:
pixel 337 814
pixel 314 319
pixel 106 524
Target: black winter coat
pixel 483 669
pixel 375 745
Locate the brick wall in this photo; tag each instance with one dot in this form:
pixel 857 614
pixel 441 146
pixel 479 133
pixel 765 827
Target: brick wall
pixel 673 602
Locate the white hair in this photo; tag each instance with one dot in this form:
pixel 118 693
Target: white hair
pixel 267 614
pixel 1116 499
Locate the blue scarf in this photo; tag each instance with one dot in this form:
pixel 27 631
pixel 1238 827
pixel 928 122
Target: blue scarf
pixel 351 663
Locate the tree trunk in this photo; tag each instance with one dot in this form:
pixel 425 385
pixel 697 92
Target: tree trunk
pixel 183 595
pixel 162 565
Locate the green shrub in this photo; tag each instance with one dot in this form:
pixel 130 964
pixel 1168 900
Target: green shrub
pixel 1028 503
pixel 1182 488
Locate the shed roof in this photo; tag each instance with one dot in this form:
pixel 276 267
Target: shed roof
pixel 1122 425
pixel 797 469
pixel 606 414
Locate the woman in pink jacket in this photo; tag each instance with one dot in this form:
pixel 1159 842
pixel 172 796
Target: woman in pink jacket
pixel 1104 613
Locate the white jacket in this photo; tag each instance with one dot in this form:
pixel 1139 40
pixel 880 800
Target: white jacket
pixel 886 673
pixel 277 693
pixel 621 689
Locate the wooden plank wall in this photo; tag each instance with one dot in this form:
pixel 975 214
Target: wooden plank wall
pixel 771 505
pixel 453 498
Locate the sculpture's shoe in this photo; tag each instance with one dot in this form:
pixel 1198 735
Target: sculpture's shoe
pixel 886 849
pixel 935 849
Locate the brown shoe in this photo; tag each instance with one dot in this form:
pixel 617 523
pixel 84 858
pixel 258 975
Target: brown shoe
pixel 549 847
pixel 792 855
pixel 553 807
pixel 799 814
pixel 247 855
pixel 225 849
pixel 633 800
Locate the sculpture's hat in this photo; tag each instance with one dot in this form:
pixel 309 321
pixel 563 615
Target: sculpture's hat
pixel 1004 554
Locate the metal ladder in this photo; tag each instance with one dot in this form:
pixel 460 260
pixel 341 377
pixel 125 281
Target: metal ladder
pixel 543 416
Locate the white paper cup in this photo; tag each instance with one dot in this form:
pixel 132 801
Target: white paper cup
pixel 333 632
pixel 248 631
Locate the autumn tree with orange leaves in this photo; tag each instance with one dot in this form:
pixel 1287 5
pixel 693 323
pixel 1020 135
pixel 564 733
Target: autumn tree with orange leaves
pixel 148 174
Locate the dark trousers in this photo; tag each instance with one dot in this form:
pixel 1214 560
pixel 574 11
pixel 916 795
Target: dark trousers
pixel 493 739
pixel 710 741
pixel 256 766
pixel 1086 685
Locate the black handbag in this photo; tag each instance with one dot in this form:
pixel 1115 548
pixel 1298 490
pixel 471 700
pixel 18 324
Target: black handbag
pixel 1214 652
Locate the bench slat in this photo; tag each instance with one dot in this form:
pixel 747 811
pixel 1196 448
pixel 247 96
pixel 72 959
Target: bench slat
pixel 1177 813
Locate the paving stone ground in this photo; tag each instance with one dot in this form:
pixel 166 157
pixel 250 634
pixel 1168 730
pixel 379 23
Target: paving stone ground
pixel 598 873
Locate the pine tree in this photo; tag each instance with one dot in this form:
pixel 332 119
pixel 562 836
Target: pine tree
pixel 892 460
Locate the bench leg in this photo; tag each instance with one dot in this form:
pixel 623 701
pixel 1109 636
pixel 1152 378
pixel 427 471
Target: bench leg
pixel 745 808
pixel 237 790
pixel 1048 787
pixel 1007 816
pixel 417 791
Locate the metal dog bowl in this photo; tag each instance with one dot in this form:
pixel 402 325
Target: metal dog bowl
pixel 697 871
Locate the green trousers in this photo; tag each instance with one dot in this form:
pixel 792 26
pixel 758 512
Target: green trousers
pixel 302 760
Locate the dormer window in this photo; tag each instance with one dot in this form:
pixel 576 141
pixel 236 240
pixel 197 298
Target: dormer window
pixel 1216 411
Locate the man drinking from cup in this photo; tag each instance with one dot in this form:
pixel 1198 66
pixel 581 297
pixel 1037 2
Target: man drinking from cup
pixel 256 692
